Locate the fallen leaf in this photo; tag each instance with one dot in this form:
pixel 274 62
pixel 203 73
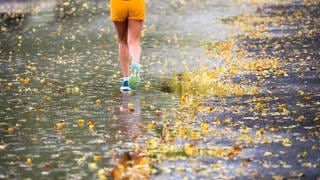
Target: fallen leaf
pixel 81 122
pixel 10 130
pixel 130 107
pixel 59 126
pixel 286 142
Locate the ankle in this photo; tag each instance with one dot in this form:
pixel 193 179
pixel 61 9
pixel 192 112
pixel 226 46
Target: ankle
pixel 135 61
pixel 135 65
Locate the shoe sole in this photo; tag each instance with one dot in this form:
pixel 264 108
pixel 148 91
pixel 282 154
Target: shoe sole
pixel 125 89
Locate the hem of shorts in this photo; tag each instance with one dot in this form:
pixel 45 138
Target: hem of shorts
pixel 117 20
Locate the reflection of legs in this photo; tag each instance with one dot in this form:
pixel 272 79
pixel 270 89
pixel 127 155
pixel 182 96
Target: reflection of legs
pixel 129 120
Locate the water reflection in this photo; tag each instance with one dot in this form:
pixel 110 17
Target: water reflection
pixel 130 117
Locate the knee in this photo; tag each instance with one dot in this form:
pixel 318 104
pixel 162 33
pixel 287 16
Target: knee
pixel 123 42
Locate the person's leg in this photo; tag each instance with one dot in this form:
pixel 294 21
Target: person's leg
pixel 134 34
pixel 123 51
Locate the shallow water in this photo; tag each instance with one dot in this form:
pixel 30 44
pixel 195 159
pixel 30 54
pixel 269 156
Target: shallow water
pixel 61 69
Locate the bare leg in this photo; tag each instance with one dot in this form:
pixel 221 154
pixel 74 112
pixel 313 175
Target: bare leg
pixel 123 49
pixel 134 34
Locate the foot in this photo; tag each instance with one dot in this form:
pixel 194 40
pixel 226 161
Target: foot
pixel 125 86
pixel 134 80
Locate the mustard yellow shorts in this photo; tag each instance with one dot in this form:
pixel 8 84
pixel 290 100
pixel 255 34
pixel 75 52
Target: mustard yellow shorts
pixel 121 10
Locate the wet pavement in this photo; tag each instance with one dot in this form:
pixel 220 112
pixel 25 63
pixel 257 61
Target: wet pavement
pixel 272 133
pixel 59 69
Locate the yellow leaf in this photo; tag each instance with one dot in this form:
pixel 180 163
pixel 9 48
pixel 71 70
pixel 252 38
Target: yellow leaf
pixel 245 164
pixel 239 171
pixel 47 98
pixel 59 126
pixel 68 141
pixel 303 154
pixel 150 126
pixel 277 177
pixel 307 165
pixel 286 142
pixel 25 80
pixel 152 143
pixel 216 165
pixel 101 172
pixel 300 174
pixel 259 106
pixel 92 166
pixel 10 130
pixel 300 118
pixel 245 131
pixel 97 157
pixel 98 101
pixel 141 161
pixel 10 84
pixel 307 97
pixel 267 154
pixel 190 149
pixel 273 129
pixel 28 162
pixel 284 164
pixel 181 132
pixel 81 122
pixel 102 177
pixel 118 172
pixel 91 122
pixel 260 132
pixel 130 107
pixel 96 68
pixel 180 169
pixel 204 126
pixel 91 126
pixel 147 85
pixel 194 135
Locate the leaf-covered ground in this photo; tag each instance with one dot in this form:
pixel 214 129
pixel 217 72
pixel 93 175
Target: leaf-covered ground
pixel 257 116
pixel 253 116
